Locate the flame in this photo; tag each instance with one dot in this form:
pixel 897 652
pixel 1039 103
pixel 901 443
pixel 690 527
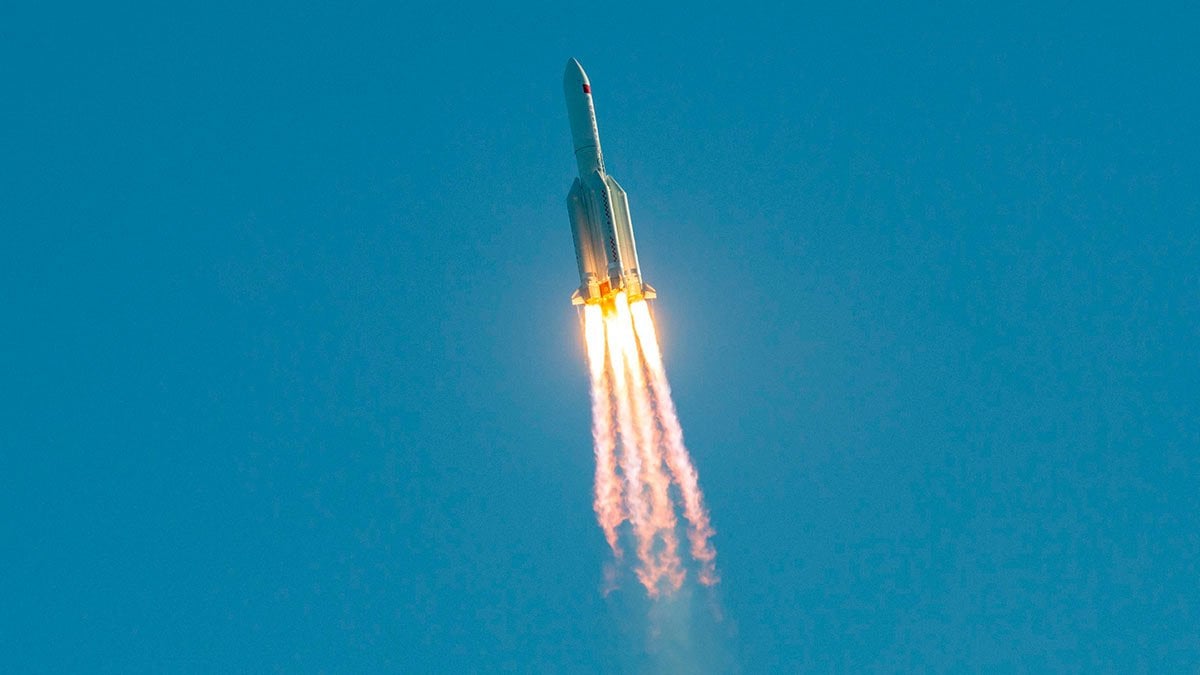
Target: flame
pixel 608 488
pixel 678 460
pixel 637 433
pixel 620 340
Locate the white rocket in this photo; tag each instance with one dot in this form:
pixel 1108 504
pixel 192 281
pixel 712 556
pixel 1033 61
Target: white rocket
pixel 599 210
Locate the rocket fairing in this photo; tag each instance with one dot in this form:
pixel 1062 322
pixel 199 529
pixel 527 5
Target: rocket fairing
pixel 599 210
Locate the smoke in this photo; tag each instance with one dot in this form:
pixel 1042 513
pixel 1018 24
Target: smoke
pixel 640 452
pixel 685 631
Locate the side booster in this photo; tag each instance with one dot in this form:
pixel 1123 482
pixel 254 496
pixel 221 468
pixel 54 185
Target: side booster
pixel 599 210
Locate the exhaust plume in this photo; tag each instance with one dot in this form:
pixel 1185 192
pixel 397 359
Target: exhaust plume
pixel 640 451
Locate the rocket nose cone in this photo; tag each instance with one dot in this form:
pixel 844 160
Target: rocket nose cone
pixel 574 76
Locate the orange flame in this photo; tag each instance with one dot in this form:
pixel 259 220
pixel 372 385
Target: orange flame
pixel 636 431
pixel 619 342
pixel 662 513
pixel 608 487
pixel 700 529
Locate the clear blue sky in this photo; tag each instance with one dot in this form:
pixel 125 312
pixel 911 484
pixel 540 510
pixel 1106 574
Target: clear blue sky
pixel 291 381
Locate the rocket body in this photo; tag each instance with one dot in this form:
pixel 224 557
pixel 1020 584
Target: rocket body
pixel 599 210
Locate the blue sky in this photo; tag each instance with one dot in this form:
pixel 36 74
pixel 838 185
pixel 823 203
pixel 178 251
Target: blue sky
pixel 291 381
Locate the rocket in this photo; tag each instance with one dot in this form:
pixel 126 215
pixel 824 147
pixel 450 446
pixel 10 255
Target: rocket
pixel 598 207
